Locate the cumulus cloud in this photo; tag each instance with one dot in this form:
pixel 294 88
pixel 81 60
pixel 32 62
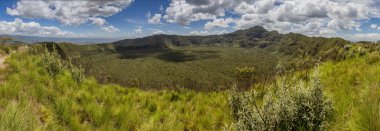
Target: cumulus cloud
pixel 19 27
pixel 185 11
pixel 218 23
pixel 312 17
pixel 297 14
pixel 155 19
pixel 68 12
pixel 138 31
pixel 110 29
pixel 375 26
pixel 98 21
pixel 344 24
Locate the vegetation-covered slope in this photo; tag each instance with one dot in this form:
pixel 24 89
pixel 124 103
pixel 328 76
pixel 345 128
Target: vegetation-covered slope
pixel 198 68
pixel 201 62
pixel 40 92
pixel 354 85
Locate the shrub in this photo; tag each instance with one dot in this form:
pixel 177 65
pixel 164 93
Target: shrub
pixel 53 65
pixel 300 107
pixel 77 72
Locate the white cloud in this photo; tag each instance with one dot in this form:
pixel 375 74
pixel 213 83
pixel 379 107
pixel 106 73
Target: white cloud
pixel 185 11
pixel 155 19
pixel 218 23
pixel 98 21
pixel 311 17
pixel 68 12
pixel 367 37
pixel 375 26
pixel 205 33
pixel 259 7
pixel 110 29
pixel 157 31
pixel 297 14
pixel 19 27
pixel 201 33
pixel 138 31
pixel 344 24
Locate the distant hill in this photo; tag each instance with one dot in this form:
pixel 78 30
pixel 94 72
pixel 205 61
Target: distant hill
pixel 36 39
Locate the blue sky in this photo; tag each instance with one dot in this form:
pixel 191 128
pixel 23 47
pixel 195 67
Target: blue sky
pixel 350 19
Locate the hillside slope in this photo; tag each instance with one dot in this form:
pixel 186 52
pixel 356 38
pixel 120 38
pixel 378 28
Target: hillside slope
pixel 42 92
pixel 202 62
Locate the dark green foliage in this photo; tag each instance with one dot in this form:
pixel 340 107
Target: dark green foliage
pixel 245 77
pixel 198 68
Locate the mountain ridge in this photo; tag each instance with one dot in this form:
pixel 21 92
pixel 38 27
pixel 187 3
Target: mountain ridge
pixel 251 37
pixel 291 45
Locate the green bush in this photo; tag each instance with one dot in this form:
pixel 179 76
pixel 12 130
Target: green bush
pixel 299 107
pixel 53 65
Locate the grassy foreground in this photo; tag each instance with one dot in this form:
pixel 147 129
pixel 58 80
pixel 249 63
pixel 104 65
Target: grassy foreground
pixel 35 95
pixel 40 92
pixel 354 85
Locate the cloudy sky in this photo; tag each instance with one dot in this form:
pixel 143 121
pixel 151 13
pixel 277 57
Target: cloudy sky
pixel 350 19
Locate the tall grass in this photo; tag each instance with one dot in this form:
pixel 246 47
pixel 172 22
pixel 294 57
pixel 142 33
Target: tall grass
pixel 366 113
pixel 354 86
pixel 50 97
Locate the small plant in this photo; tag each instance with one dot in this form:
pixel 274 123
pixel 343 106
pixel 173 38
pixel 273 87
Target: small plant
pixel 55 65
pixel 51 62
pixel 77 73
